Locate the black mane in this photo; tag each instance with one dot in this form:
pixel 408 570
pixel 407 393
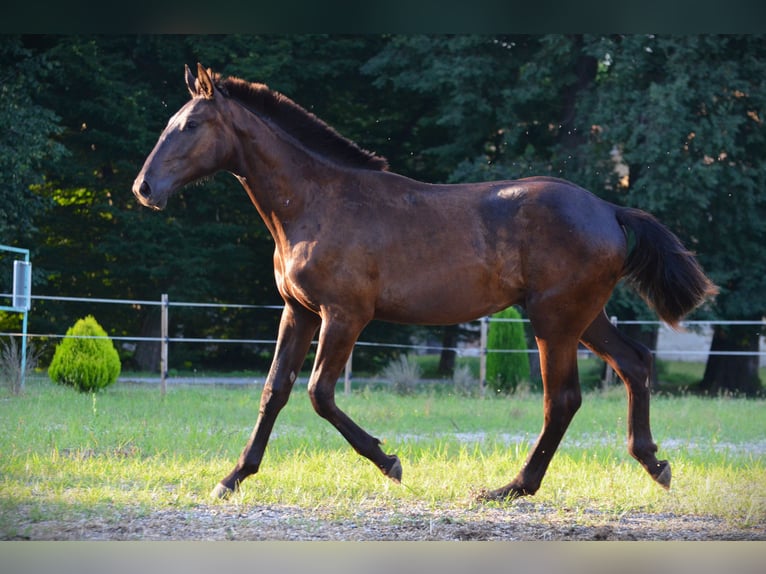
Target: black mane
pixel 300 123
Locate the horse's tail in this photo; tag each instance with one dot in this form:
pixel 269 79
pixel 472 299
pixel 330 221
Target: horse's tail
pixel 661 269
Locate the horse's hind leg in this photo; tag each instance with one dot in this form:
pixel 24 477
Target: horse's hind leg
pixel 336 340
pixel 633 363
pixel 296 331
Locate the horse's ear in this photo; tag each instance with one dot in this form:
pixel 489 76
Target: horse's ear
pixel 205 86
pixel 190 81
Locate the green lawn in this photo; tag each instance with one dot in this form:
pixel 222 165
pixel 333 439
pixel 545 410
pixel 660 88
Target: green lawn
pixel 128 449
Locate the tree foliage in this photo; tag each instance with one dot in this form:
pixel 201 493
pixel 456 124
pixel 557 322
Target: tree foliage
pixel 27 140
pixel 507 361
pixel 86 358
pixel 671 124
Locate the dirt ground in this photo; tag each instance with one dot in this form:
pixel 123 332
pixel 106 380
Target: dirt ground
pixel 522 521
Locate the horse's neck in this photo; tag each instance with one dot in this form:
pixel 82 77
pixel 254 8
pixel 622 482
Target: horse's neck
pixel 275 173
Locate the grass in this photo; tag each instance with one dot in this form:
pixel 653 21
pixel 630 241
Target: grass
pixel 130 451
pixel 674 377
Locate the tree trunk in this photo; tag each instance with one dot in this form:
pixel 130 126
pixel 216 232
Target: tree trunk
pixel 147 355
pixel 733 373
pixel 585 68
pixel 449 342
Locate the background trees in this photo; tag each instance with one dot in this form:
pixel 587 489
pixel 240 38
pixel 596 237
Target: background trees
pixel 28 139
pixel 691 138
pixel 670 124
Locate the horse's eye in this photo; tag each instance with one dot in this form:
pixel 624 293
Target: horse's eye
pixel 190 125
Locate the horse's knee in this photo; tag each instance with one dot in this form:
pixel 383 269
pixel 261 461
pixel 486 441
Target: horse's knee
pixel 565 404
pixel 574 402
pixel 273 399
pixel 323 400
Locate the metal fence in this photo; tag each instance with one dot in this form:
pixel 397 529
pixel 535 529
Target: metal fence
pixel 696 348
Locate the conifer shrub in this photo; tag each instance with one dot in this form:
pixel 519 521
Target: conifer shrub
pixel 506 370
pixel 86 358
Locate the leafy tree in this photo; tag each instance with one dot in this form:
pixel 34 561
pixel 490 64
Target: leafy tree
pixel 658 122
pixel 484 107
pixel 681 117
pixel 114 95
pixel 27 141
pixel 684 115
pixel 506 369
pixel 28 145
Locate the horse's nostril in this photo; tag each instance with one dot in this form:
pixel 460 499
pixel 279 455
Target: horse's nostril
pixel 145 189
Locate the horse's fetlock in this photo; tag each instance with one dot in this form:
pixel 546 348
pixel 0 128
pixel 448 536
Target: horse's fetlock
pixel 642 450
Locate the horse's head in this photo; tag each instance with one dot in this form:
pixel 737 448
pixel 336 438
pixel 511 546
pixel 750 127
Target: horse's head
pixel 192 146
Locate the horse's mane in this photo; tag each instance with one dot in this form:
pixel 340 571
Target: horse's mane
pixel 299 123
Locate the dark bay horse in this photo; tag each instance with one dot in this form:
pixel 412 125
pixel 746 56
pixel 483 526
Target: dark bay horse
pixel 355 242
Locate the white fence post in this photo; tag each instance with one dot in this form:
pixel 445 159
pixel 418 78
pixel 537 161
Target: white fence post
pixel 609 371
pixel 164 344
pixel 483 355
pixel 347 376
pixel 21 301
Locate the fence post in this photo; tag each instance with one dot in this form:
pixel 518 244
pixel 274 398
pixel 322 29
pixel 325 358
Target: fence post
pixel 21 302
pixel 347 376
pixel 609 372
pixel 164 344
pixel 483 355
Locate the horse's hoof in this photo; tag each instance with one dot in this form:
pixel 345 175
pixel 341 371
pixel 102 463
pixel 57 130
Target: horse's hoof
pixel 499 495
pixel 221 492
pixel 664 476
pixel 394 472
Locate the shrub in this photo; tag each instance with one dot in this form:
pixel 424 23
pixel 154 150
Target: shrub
pixel 86 358
pixel 464 382
pixel 506 370
pixel 403 374
pixel 10 364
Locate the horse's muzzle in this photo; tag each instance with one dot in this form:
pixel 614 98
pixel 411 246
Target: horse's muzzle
pixel 143 192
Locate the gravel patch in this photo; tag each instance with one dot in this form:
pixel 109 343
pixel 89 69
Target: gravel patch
pixel 520 521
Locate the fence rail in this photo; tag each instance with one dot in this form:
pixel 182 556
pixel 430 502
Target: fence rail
pixel 481 350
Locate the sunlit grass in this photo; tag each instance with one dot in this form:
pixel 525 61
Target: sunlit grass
pixel 129 451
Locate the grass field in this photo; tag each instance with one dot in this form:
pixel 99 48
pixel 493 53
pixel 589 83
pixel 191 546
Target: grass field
pixel 129 451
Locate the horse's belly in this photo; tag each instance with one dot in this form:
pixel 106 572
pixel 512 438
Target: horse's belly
pixel 445 301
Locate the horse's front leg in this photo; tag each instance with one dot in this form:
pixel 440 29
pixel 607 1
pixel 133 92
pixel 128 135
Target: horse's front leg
pixel 336 341
pixel 296 331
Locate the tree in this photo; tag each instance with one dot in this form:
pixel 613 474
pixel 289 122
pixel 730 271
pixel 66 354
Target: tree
pixel 506 369
pixel 684 115
pixel 114 94
pixel 681 117
pixel 27 141
pixel 485 107
pixel 28 146
pixel 452 86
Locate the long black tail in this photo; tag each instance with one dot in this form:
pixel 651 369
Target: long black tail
pixel 661 269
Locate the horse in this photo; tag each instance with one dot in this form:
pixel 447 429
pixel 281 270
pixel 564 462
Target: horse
pixel 355 241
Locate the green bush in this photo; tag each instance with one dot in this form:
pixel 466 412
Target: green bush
pixel 89 363
pixel 506 370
